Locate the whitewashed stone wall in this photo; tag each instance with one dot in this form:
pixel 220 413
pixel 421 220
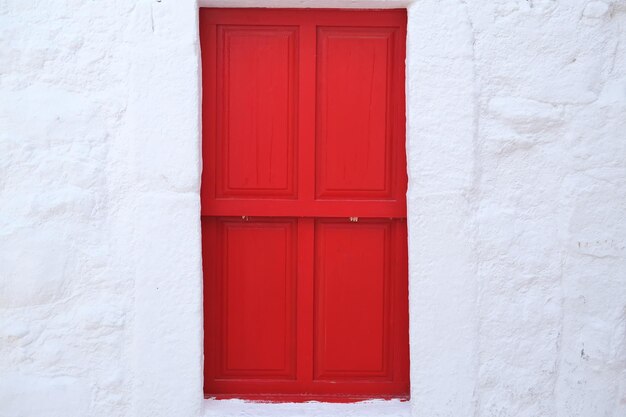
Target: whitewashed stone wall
pixel 517 208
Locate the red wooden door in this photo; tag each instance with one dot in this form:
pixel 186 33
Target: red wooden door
pixel 303 204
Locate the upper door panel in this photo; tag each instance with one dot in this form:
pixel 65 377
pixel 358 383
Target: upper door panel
pixel 354 134
pixel 256 111
pixel 304 113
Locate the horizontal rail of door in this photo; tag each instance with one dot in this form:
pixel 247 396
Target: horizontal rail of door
pixel 295 208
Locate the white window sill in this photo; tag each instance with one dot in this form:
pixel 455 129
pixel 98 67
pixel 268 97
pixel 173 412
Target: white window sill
pixel 372 408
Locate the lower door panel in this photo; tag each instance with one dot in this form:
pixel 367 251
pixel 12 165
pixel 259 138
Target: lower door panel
pixel 305 309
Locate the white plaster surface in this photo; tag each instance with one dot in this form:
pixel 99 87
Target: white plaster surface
pixel 517 210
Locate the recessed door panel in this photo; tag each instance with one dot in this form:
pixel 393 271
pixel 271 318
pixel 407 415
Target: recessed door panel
pixel 256 123
pixel 352 300
pixel 354 150
pixel 254 289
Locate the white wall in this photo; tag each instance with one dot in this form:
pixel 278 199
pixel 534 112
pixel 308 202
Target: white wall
pixel 517 207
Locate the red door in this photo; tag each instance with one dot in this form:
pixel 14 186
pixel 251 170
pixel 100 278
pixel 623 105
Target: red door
pixel 303 204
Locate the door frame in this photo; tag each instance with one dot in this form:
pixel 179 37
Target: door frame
pixel 421 302
pixel 441 144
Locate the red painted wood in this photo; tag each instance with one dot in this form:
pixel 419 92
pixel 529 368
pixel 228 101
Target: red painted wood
pixel 303 128
pixel 256 127
pixel 352 300
pixel 257 281
pixel 354 156
pixel 285 141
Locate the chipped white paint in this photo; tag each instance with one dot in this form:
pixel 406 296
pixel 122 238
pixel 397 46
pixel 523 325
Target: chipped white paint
pixel 517 210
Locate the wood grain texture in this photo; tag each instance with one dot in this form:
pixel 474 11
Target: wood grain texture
pixel 256 120
pixel 354 142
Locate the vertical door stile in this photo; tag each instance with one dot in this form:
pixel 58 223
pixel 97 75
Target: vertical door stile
pixel 398 106
pixel 305 300
pixel 306 113
pixel 208 36
pixel 306 193
pixel 208 41
pixel 401 323
pixel 210 271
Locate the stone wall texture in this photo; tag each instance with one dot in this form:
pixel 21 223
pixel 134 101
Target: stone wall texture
pixel 516 140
